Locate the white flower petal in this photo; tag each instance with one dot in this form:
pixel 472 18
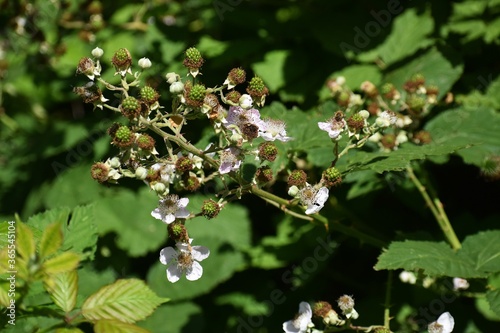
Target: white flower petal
pixel 447 321
pixel 182 213
pixel 183 202
pixel 173 273
pixel 288 327
pixel 200 253
pixel 156 213
pixel 167 254
pixel 169 218
pixel 194 272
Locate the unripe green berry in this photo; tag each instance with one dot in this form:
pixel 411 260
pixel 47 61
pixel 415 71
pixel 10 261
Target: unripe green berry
pixel 210 209
pixel 297 178
pixel 177 232
pixel 236 76
pixel 145 142
pixel 123 137
pixel 268 151
pixel 193 59
pixel 415 103
pixel 198 92
pixel 257 88
pixel 148 95
pixel 183 164
pixel 264 174
pixel 122 60
pixel 130 107
pixel 99 172
pixel 233 96
pixel 331 177
pixel 356 122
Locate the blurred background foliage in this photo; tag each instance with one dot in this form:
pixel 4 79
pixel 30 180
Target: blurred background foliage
pixel 261 266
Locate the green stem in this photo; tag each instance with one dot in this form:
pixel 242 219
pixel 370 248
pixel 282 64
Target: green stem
pixel 387 305
pixel 437 210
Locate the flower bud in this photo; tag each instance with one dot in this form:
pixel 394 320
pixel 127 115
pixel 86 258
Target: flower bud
pixel 177 87
pixel 172 77
pixel 293 191
pixel 141 173
pixel 364 114
pixel 144 63
pixel 159 188
pixel 115 162
pixel 97 52
pixel 245 101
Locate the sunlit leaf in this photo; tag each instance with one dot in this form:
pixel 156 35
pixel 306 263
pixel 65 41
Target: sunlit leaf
pixel 126 300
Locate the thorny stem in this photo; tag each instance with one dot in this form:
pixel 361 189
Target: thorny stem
pixel 437 210
pixel 336 225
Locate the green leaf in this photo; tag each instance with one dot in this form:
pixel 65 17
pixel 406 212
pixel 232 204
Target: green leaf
pixel 115 326
pixel 211 48
pixel 493 297
pixel 25 242
pixel 64 262
pixel 126 300
pixel 179 316
pixel 478 258
pixel 436 69
pixel 51 241
pixel 63 289
pixel 272 69
pixel 69 330
pixel 129 215
pixel 79 232
pixel 492 31
pixel 465 126
pixel 409 34
pixel 399 159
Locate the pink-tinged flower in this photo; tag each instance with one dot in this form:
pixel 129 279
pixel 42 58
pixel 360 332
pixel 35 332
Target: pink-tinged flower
pixel 184 260
pixel 229 160
pixel 333 127
pixel 273 129
pixel 170 208
pixel 239 118
pixel 302 322
pixel 444 324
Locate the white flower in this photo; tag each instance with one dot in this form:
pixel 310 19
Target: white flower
pixel 302 322
pixel 229 160
pixel 333 127
pixel 386 119
pixel 167 172
pixel 183 260
pixel 459 283
pixel 144 63
pixel 408 277
pixel 313 199
pixel 171 208
pixel 274 130
pixel 444 324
